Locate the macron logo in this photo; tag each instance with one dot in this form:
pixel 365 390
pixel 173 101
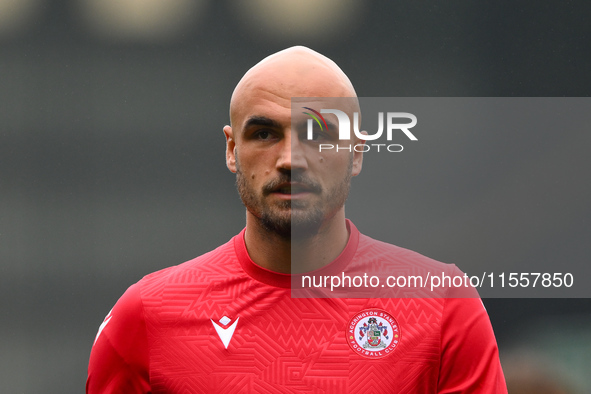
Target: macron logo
pixel 225 334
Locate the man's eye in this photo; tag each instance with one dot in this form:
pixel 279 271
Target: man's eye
pixel 263 135
pixel 316 136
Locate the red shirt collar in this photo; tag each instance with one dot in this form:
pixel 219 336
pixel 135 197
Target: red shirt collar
pixel 278 279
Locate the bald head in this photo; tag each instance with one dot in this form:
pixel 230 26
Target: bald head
pixel 293 72
pixel 282 177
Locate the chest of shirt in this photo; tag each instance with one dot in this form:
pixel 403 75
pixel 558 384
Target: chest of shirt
pixel 250 335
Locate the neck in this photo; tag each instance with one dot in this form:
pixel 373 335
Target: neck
pixel 276 253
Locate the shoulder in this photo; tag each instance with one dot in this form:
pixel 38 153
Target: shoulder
pixel 410 274
pixel 469 352
pixel 370 248
pixel 218 262
pixel 119 356
pixel 119 359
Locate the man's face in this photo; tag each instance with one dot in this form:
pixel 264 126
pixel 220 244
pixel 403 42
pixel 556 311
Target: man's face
pixel 282 178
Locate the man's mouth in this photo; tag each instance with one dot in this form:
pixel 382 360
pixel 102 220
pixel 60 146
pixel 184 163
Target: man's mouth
pixel 292 188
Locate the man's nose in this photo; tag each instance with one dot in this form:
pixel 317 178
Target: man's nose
pixel 292 155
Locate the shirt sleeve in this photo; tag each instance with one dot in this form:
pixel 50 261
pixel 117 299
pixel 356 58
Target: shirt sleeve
pixel 469 353
pixel 119 356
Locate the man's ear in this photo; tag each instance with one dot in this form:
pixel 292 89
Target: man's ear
pixel 358 156
pixel 230 149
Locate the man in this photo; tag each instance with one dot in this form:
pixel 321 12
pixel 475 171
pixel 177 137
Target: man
pixel 227 322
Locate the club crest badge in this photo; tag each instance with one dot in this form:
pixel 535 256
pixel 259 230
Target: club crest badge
pixel 373 333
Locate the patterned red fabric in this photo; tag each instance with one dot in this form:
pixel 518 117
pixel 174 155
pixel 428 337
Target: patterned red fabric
pixel 161 336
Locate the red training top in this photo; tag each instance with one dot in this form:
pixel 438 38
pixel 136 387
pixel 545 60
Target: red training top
pixel 222 324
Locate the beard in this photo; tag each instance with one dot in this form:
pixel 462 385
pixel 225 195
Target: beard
pixel 293 219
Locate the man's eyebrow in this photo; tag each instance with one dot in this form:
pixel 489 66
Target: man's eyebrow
pixel 261 121
pixel 304 124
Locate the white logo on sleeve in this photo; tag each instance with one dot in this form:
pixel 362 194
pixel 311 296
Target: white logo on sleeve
pixel 226 333
pixel 103 325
